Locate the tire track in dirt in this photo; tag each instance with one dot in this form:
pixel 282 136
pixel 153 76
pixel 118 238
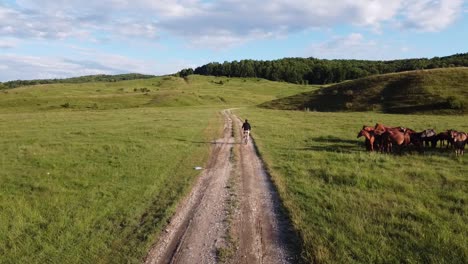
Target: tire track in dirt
pixel 199 227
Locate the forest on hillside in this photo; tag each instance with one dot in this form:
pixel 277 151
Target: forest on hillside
pixel 321 71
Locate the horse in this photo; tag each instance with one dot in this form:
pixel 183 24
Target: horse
pixel 395 137
pixel 387 133
pixel 368 128
pixel 379 129
pixel 459 141
pixel 416 138
pixel 370 138
pixel 445 136
pixel 429 136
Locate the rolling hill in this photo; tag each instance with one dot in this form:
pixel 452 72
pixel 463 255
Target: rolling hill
pixel 443 91
pixel 161 91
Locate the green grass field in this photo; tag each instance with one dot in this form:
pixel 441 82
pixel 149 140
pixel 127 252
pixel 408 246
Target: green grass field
pixel 351 206
pixel 91 172
pixel 84 187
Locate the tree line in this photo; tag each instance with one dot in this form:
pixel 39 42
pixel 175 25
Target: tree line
pixel 82 79
pixel 321 71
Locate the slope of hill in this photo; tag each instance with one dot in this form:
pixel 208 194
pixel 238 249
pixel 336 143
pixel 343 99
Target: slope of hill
pixel 425 91
pixel 159 91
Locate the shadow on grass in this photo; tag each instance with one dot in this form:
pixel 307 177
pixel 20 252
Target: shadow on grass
pixel 333 139
pixel 334 144
pixel 334 148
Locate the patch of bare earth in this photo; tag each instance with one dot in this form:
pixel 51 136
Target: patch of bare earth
pixel 256 229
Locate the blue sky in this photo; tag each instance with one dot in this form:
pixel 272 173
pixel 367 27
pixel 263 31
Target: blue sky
pixel 64 38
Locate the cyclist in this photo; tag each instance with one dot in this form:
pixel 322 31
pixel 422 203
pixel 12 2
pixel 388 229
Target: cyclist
pixel 246 128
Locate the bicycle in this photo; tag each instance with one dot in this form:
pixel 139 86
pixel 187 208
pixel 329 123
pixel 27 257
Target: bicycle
pixel 245 137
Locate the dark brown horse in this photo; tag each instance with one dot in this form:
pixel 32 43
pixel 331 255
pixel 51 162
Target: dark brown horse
pixel 445 137
pixel 416 139
pixel 429 136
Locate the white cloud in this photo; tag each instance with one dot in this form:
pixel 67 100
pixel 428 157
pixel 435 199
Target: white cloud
pixel 215 24
pixel 355 46
pixel 279 17
pixel 131 28
pixel 39 68
pixel 431 15
pixel 8 43
pixel 34 67
pixel 33 24
pixel 46 23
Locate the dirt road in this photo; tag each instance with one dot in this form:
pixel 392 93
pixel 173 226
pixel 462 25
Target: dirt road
pixel 231 215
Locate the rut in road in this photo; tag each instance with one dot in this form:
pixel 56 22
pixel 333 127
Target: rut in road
pixel 259 232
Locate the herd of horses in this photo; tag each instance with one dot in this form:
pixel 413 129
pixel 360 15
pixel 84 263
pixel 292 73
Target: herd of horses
pixel 393 139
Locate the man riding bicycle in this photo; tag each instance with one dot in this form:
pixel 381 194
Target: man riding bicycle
pixel 246 128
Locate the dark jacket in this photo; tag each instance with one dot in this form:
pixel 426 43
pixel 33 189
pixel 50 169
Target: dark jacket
pixel 246 126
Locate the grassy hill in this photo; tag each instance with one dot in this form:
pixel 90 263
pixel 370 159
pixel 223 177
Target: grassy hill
pixel 442 91
pixel 158 92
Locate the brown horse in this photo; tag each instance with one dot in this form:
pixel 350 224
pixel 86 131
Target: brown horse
pixel 379 129
pixel 368 128
pixel 395 137
pixel 370 138
pixel 390 135
pixel 459 141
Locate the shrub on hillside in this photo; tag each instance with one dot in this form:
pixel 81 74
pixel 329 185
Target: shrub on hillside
pixel 455 103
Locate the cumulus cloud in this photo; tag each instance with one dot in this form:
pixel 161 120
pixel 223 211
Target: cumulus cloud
pixel 33 24
pixel 430 15
pixel 354 46
pixel 8 43
pixel 271 18
pixel 46 23
pixel 215 24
